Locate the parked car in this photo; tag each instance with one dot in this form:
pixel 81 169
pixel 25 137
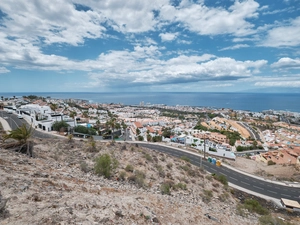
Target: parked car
pixel 20 116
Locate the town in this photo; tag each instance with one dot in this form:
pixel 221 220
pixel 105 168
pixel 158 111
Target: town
pixel 270 136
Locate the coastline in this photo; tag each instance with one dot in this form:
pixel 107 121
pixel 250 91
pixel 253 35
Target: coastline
pixel 253 102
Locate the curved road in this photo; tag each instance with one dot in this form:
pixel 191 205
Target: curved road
pixel 247 182
pixel 14 122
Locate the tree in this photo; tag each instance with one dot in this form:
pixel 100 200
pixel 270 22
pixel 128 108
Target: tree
pixel 73 114
pixel 53 106
pixel 149 137
pixel 22 134
pixel 58 125
pixel 138 132
pixel 85 130
pixel 112 124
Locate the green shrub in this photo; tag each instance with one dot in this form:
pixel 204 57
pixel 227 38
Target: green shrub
pixel 160 170
pixel 222 178
pixel 180 186
pixel 129 168
pixel 270 220
pixel 84 167
pixel 253 205
pixel 169 165
pixel 185 158
pixel 138 178
pixel 165 188
pixel 122 175
pixel 271 162
pixel 223 197
pixel 185 167
pixel 207 195
pixel 104 165
pixel 148 157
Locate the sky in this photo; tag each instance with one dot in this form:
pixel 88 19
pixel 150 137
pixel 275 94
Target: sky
pixel 150 46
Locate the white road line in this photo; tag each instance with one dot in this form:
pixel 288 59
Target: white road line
pixel 214 169
pixel 286 195
pixel 258 187
pixel 245 183
pixel 233 178
pixel 272 192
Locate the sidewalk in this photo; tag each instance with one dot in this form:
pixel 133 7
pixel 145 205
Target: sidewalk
pixel 5 124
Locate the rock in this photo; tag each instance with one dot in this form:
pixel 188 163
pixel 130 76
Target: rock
pixel 70 210
pixel 155 220
pixel 35 197
pixel 119 213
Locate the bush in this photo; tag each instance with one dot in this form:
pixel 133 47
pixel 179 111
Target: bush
pixel 271 162
pixel 84 167
pixel 148 157
pixel 253 205
pixel 58 125
pixel 185 158
pixel 160 170
pixel 207 195
pixel 129 168
pixel 138 178
pixel 270 220
pixel 222 178
pixel 165 188
pixel 180 186
pixel 223 197
pixel 169 165
pixel 122 175
pixel 85 130
pixel 104 165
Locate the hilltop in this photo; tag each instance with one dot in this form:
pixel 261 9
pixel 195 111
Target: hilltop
pixel 59 185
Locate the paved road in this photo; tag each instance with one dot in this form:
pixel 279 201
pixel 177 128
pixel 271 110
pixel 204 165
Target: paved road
pixel 253 132
pixel 15 122
pixel 256 185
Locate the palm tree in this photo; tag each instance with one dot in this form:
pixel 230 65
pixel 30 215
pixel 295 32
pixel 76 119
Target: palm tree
pixel 112 124
pixel 22 134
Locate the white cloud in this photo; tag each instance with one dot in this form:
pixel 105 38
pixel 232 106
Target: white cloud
pixel 212 21
pixel 235 47
pixel 278 84
pixel 4 70
pixel 50 22
pixel 168 36
pixel 219 85
pixel 287 63
pixel 127 16
pixel 284 36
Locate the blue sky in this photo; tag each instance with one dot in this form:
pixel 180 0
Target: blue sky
pixel 149 45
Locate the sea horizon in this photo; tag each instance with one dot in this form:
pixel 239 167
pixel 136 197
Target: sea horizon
pixel 255 102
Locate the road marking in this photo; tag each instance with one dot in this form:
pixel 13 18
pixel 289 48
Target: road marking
pixel 286 195
pixel 258 187
pixel 272 192
pixel 245 183
pixel 233 178
pixel 214 169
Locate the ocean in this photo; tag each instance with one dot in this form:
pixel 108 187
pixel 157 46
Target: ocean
pixel 253 102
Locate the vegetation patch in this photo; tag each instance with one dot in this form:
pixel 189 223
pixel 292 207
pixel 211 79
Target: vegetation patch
pixel 105 165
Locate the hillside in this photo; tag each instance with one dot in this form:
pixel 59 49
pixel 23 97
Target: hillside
pixel 59 186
